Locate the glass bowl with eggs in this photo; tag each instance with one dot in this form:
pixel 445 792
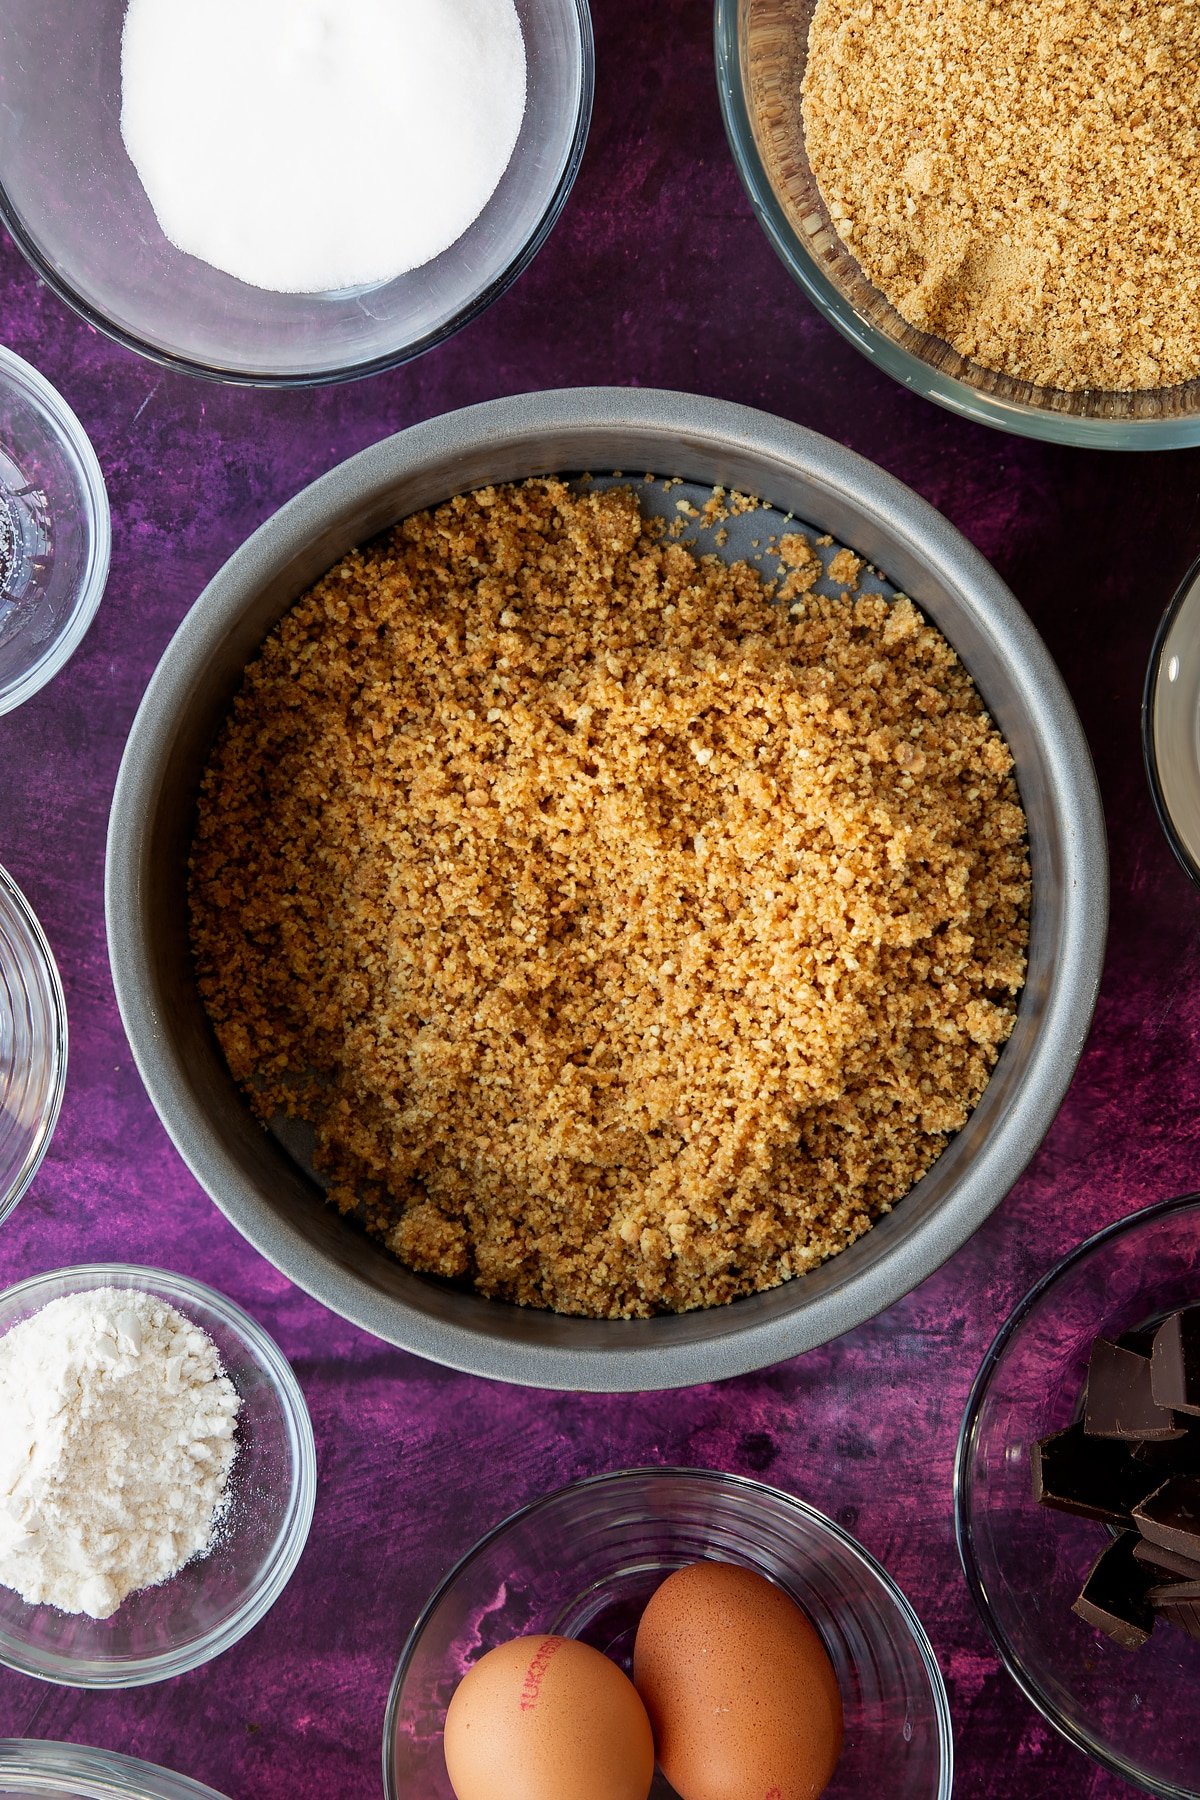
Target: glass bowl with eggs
pixel 109 1369
pixel 911 168
pixel 280 193
pixel 625 1595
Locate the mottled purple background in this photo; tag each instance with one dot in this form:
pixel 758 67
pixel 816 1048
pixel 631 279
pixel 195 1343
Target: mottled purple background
pixel 656 275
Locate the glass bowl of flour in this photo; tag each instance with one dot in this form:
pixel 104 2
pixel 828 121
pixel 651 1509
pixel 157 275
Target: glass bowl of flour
pixel 284 192
pixel 157 1475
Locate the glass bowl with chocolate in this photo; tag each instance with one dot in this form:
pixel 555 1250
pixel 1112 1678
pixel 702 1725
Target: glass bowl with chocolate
pixel 1077 1495
pixel 997 205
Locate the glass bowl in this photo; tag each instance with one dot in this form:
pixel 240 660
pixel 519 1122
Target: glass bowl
pixel 1171 723
pixel 760 49
pixel 72 201
pixel 213 1601
pixel 1133 1711
pixel 584 1561
pixel 55 532
pixel 30 1767
pixel 33 1044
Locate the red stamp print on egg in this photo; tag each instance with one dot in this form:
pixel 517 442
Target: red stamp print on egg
pixel 535 1673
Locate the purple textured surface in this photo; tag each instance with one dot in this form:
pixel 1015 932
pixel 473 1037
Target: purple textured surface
pixel 657 274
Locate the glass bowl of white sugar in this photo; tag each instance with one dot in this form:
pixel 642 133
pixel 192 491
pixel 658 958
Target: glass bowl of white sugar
pixel 157 1475
pixel 284 192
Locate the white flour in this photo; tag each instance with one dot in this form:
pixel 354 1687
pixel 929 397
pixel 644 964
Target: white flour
pixel 311 145
pixel 116 1442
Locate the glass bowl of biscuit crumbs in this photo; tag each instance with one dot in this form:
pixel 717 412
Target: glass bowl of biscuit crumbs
pixel 912 168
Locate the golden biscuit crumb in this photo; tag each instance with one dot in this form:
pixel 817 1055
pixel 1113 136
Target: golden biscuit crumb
pixel 1021 180
pixel 630 943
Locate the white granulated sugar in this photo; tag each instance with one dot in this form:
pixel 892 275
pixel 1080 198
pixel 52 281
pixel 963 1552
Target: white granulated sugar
pixel 116 1441
pixel 311 145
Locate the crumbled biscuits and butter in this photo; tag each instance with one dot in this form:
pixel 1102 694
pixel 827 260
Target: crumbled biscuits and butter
pixel 631 941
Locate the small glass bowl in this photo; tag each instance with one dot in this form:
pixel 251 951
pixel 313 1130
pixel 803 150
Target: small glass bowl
pixel 33 1044
pixel 32 1767
pixel 73 203
pixel 1171 723
pixel 213 1601
pixel 1132 1711
pixel 584 1561
pixel 761 47
pixel 55 532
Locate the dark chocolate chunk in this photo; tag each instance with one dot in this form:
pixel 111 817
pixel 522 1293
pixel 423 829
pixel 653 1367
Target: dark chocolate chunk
pixel 1170 1516
pixel 1175 1362
pixel 1167 1562
pixel 1173 1593
pixel 1094 1477
pixel 1174 1456
pixel 1185 1614
pixel 1114 1597
pixel 1142 1340
pixel 1120 1403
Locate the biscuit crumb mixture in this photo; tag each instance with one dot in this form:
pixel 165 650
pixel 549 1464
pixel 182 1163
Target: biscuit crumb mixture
pixel 1021 178
pixel 631 942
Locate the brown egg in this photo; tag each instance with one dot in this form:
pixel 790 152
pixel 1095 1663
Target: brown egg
pixel 739 1688
pixel 547 1718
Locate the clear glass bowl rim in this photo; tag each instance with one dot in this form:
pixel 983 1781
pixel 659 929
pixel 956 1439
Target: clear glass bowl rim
pixel 46 399
pixel 39 946
pixel 739 1484
pixel 291 1536
pixel 945 390
pixel 964 1462
pixel 57 281
pixel 1179 849
pixel 60 1769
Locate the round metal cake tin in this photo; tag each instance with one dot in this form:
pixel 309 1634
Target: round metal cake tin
pixel 278 1208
